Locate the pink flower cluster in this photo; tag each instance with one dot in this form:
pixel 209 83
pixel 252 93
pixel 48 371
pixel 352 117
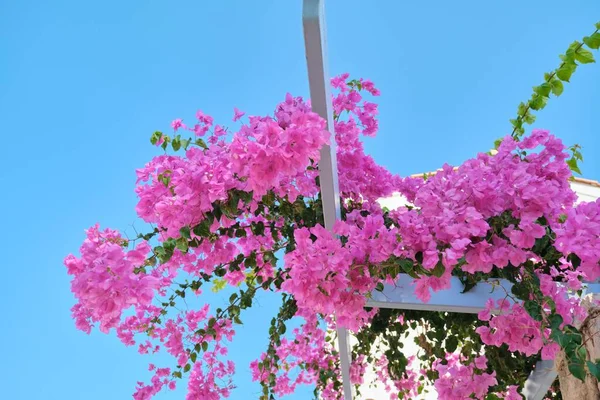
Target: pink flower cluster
pixel 579 235
pixel 104 279
pixel 267 154
pixel 321 278
pixel 359 175
pixel 408 385
pixel 205 382
pixel 306 355
pixel 458 381
pixel 513 326
pixel 454 206
pixel 211 375
pixel 270 152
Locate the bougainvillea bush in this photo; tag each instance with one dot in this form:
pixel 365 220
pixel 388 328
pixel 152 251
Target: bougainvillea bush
pixel 243 209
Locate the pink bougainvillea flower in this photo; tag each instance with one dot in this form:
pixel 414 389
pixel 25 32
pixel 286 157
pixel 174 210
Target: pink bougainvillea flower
pixel 176 124
pixel 237 114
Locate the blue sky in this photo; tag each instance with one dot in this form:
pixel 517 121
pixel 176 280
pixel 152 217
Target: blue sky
pixel 83 85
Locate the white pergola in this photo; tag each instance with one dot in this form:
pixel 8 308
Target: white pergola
pixel 401 295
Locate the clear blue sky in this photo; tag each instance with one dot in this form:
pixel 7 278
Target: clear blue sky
pixel 83 84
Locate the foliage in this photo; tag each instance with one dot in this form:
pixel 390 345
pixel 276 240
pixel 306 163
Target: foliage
pixel 246 214
pixel 553 84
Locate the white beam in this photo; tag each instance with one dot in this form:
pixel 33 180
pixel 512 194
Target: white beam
pixel 315 41
pixel 402 296
pixel 320 97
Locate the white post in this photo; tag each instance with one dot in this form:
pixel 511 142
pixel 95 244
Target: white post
pixel 540 380
pixel 315 41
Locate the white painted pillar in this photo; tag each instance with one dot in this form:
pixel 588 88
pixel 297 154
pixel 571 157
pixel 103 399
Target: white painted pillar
pixel 315 41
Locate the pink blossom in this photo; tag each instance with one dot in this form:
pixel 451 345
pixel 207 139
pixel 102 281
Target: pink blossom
pixel 176 124
pixel 237 114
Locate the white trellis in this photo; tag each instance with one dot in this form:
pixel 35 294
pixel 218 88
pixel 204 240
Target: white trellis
pixel 400 296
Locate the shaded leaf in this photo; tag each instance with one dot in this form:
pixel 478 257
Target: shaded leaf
pixel 594 368
pixel 451 344
pixel 534 309
pixel 185 232
pixel 577 370
pixel 555 321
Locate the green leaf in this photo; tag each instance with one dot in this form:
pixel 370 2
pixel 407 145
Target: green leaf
pixel 593 42
pixel 439 270
pixel 187 367
pixel 282 329
pixel 534 309
pixel 451 344
pixel 239 233
pixel 557 87
pixel 379 287
pixel 182 244
pixel 577 370
pixel 520 290
pixel 584 56
pixel 258 228
pixel 202 229
pixel 529 118
pixel 582 353
pixel 204 346
pixel 177 374
pixel 193 357
pixel 569 56
pixel 594 368
pixel 251 260
pixel 555 321
pixel 406 265
pixel 559 337
pixel 201 143
pixel 565 71
pixel 572 163
pixel 543 90
pixel 176 143
pixel 185 232
pixel 155 137
pixel 537 102
pixel 218 285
